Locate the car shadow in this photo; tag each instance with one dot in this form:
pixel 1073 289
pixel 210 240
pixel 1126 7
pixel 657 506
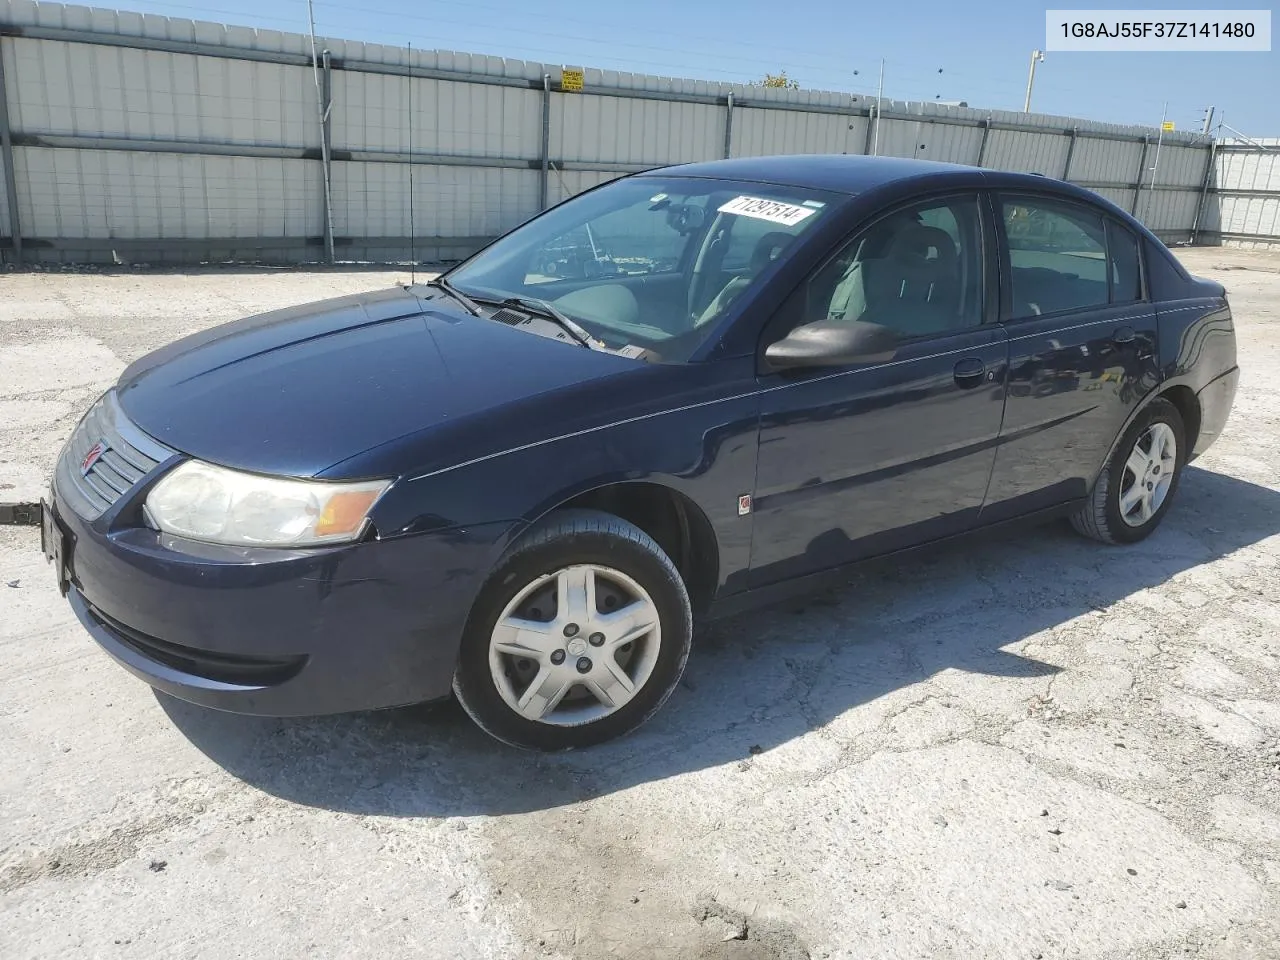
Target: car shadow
pixel 754 682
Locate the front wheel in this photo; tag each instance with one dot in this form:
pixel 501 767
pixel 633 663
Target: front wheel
pixel 1137 486
pixel 579 636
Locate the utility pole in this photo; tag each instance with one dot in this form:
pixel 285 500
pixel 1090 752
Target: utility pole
pixel 1155 166
pixel 1037 56
pixel 324 105
pixel 875 149
pixel 1208 121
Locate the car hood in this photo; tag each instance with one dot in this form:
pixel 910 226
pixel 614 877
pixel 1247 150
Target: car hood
pixel 297 391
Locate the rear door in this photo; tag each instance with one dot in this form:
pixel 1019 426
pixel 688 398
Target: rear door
pixel 1082 342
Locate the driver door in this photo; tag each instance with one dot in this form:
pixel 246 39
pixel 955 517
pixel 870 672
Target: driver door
pixel 863 459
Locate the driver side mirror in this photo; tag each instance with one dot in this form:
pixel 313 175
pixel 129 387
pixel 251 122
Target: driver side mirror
pixel 832 343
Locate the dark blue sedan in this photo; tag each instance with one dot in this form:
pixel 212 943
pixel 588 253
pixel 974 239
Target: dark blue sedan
pixel 669 398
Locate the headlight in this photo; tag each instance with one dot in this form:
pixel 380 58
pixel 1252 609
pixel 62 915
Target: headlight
pixel 203 502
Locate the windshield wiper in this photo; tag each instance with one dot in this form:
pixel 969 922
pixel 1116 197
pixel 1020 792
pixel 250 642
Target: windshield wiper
pixel 468 304
pixel 569 325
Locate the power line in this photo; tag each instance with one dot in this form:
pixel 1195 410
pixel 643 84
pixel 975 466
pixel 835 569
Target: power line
pixel 400 16
pixel 909 82
pixel 839 64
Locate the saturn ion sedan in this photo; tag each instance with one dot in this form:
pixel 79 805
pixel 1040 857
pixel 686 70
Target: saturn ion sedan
pixel 669 398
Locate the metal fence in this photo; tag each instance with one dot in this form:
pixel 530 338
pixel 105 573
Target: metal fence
pixel 1246 194
pixel 136 138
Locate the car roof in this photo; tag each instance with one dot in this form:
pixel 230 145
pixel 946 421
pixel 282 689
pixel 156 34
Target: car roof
pixel 840 173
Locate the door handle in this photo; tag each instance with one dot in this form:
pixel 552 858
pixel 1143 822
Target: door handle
pixel 1123 335
pixel 969 372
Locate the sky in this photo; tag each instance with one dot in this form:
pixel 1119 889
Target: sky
pixel 932 49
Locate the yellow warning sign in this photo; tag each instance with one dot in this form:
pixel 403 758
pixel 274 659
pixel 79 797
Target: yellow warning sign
pixel 571 80
pixel 1167 126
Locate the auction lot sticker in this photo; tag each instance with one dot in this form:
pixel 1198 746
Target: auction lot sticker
pixel 787 214
pixel 1158 30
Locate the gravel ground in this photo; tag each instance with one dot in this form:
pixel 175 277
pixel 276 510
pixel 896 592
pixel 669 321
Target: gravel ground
pixel 1031 746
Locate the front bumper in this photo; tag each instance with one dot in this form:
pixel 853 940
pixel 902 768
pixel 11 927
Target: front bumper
pixel 277 632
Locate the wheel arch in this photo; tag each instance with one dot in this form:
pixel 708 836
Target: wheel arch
pixel 1188 404
pixel 673 519
pixel 1182 397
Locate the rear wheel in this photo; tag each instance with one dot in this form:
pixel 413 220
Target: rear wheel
pixel 1136 488
pixel 579 636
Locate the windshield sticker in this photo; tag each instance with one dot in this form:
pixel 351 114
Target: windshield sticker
pixel 816 204
pixel 657 198
pixel 787 214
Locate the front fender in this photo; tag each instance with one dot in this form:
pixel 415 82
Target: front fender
pixel 705 451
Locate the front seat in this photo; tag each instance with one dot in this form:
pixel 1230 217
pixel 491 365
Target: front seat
pixel 768 248
pixel 914 288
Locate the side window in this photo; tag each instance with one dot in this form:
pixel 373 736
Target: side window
pixel 1057 256
pixel 917 271
pixel 1126 267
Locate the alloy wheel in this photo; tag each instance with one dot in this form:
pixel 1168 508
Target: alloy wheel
pixel 1148 474
pixel 575 645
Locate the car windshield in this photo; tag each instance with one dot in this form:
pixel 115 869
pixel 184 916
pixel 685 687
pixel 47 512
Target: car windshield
pixel 647 262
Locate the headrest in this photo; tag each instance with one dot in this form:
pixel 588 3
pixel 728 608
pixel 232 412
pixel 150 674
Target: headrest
pixel 916 242
pixel 919 266
pixel 769 248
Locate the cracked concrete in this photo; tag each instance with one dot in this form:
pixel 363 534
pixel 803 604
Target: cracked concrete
pixel 1024 747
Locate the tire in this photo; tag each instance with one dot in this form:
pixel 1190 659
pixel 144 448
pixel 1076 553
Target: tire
pixel 1107 515
pixel 541 687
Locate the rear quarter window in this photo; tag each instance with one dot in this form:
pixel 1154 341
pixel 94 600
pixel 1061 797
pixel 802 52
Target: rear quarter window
pixel 1126 265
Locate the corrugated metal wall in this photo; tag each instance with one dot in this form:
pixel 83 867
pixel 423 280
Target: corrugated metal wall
pixel 1248 212
pixel 138 137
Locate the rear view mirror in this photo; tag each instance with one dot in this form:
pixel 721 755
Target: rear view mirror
pixel 685 218
pixel 833 343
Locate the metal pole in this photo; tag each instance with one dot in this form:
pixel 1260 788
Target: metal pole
pixel 1036 57
pixel 875 147
pixel 1204 190
pixel 1142 168
pixel 326 155
pixel 1247 139
pixel 322 116
pixel 546 139
pixel 1155 165
pixel 728 127
pixel 982 147
pixel 1208 121
pixel 413 231
pixel 1071 150
pixel 10 177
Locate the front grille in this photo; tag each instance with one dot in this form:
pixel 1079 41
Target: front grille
pixel 127 456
